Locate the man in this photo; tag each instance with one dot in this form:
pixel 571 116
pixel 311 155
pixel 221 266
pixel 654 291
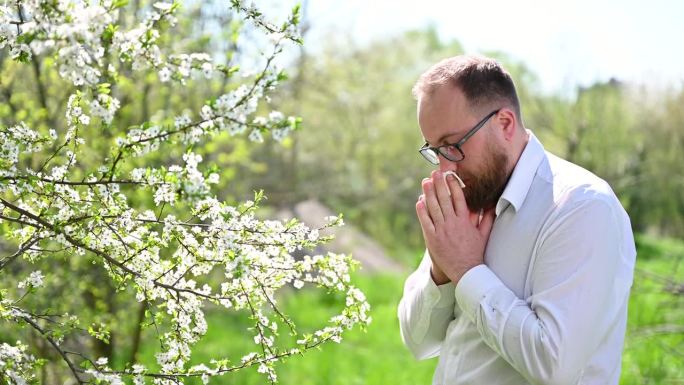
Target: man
pixel 528 268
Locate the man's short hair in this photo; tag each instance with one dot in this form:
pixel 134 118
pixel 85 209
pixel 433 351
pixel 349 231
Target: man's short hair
pixel 482 80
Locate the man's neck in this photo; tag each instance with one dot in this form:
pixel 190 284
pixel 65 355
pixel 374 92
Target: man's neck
pixel 519 147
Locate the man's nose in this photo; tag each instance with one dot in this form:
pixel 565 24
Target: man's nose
pixel 446 164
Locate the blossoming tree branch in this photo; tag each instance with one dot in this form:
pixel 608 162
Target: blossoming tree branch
pixel 96 212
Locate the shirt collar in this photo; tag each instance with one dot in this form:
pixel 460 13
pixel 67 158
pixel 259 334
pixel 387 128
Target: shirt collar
pixel 519 184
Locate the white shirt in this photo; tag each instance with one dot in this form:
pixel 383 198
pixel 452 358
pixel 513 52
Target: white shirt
pixel 549 306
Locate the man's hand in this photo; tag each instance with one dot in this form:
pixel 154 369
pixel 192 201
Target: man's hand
pixel 455 237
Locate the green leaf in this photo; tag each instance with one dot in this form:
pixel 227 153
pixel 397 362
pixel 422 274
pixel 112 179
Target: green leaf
pixel 282 75
pixel 120 3
pixel 108 33
pixel 103 88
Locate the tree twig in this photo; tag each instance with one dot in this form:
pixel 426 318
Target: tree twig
pixel 55 345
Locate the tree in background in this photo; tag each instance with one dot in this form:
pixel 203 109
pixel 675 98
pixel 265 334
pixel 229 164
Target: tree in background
pixel 111 229
pixel 360 152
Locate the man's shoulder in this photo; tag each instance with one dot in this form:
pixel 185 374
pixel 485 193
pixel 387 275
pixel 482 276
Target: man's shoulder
pixel 572 184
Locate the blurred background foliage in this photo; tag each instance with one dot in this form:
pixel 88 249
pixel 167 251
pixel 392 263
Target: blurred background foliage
pixel 357 153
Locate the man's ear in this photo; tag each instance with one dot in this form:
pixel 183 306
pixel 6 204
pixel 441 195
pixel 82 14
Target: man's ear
pixel 508 122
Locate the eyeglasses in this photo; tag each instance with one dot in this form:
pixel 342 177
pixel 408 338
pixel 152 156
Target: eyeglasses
pixel 452 151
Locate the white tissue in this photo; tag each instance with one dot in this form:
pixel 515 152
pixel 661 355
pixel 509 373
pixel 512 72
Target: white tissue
pixel 460 182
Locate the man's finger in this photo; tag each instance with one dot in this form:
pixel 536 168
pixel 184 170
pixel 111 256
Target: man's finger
pixel 423 217
pixel 442 193
pixel 430 200
pixel 457 196
pixel 474 218
pixel 487 223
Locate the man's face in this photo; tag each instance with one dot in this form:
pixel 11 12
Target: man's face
pixel 445 117
pixel 487 181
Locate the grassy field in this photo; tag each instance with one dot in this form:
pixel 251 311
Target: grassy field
pixel 377 356
pixel 654 351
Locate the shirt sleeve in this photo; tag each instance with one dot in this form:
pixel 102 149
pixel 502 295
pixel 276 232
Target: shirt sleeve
pixel 580 282
pixel 425 311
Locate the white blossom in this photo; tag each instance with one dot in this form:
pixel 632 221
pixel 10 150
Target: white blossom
pixel 162 6
pixel 182 121
pixel 213 178
pixel 164 74
pixel 255 136
pixel 104 107
pixel 16 363
pixel 165 194
pixel 208 69
pixel 35 279
pixel 138 174
pixel 96 214
pixel 19 50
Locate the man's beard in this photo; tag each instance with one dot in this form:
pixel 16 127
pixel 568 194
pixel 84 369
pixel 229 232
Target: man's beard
pixel 483 190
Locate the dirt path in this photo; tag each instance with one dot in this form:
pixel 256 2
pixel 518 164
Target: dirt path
pixel 348 240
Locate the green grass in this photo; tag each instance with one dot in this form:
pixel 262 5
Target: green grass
pixel 378 356
pixel 653 355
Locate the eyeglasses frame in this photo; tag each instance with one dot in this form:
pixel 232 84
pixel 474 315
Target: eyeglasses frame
pixel 437 150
